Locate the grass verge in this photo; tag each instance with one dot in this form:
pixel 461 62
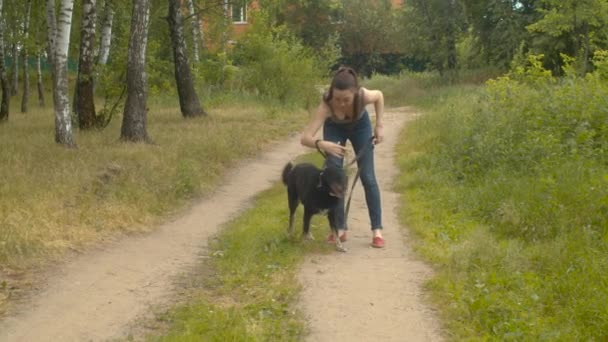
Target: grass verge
pixel 505 189
pixel 248 287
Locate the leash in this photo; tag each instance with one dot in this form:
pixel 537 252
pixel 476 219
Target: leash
pixel 366 147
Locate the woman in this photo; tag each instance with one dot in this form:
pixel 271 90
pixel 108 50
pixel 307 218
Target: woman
pixel 343 116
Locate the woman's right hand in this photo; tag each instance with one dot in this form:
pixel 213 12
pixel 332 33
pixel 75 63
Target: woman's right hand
pixel 332 148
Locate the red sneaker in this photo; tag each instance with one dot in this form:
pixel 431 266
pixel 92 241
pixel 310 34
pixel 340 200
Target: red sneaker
pixel 378 242
pixel 331 238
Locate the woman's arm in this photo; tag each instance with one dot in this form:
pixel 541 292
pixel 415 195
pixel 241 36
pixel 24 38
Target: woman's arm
pixel 308 136
pixel 377 98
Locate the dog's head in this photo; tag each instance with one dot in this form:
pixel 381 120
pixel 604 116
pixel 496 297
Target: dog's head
pixel 335 180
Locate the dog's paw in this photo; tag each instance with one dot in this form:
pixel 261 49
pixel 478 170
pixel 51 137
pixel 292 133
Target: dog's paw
pixel 341 248
pixel 308 237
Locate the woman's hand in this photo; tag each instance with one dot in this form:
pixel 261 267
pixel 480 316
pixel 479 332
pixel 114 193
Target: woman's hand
pixel 332 148
pixel 379 133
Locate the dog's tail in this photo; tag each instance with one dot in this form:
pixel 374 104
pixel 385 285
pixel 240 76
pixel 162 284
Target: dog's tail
pixel 286 170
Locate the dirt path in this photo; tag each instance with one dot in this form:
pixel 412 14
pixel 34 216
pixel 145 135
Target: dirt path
pixel 359 296
pixel 97 295
pixel 369 294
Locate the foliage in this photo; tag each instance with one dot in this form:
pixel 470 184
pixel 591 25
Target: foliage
pixel 571 27
pixel 498 28
pixel 275 64
pixel 432 29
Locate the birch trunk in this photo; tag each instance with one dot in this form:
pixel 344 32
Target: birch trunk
pixel 6 92
pixel 15 82
pixel 60 43
pixel 106 33
pixel 39 80
pixel 188 99
pixel 84 101
pixel 25 98
pixel 195 30
pixel 135 111
pixel 51 22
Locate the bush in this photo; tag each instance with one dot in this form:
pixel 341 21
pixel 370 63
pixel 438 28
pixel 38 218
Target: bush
pixel 274 64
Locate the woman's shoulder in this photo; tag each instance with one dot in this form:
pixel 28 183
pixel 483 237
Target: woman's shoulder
pixel 370 95
pixel 324 108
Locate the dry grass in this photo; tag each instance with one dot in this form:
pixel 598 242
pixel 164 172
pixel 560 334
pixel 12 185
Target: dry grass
pixel 53 199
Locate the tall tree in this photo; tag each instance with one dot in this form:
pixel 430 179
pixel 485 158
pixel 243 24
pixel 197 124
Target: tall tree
pixel 6 92
pixel 188 99
pixel 432 29
pixel 135 112
pixel 498 28
pixel 25 97
pixel 367 29
pixel 85 104
pixel 59 41
pixel 312 20
pixel 37 42
pixel 106 32
pixel 39 81
pixel 15 58
pixel 573 27
pixel 196 30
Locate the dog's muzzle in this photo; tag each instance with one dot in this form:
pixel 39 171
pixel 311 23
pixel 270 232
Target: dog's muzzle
pixel 337 190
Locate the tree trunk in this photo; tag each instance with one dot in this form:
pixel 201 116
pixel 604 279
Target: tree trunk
pixel 106 33
pixel 188 99
pixel 199 30
pixel 26 79
pixel 85 105
pixel 39 80
pixel 51 22
pixel 6 93
pixel 135 112
pixel 15 84
pixel 195 30
pixel 60 42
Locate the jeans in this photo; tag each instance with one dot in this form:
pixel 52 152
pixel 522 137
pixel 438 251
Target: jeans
pixel 359 133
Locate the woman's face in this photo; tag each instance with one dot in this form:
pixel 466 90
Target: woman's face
pixel 343 98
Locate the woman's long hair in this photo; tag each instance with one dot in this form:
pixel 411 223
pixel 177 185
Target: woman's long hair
pixel 346 79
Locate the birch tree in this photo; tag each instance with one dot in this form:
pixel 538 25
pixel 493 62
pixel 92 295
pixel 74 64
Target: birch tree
pixel 39 81
pixel 15 55
pixel 26 80
pixel 135 111
pixel 6 92
pixel 106 33
pixel 59 40
pixel 84 101
pixel 196 30
pixel 188 99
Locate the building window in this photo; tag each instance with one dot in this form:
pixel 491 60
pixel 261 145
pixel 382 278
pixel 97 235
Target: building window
pixel 239 12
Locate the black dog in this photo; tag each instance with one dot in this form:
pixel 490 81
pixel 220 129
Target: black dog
pixel 318 190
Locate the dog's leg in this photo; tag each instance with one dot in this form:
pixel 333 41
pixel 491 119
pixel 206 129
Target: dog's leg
pixel 306 229
pixel 332 224
pixel 293 205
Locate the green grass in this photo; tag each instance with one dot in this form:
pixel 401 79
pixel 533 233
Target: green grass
pixel 424 89
pixel 506 190
pixel 248 289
